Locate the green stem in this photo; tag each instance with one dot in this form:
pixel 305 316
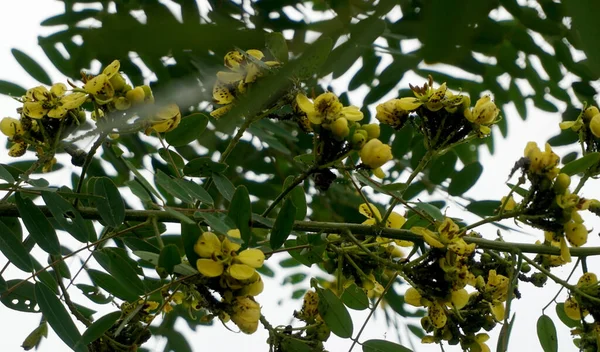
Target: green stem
pixel 561 281
pixel 88 160
pixel 10 210
pixel 508 215
pixel 422 164
pixel 299 179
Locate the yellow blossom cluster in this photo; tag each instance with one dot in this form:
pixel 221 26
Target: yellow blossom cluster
pixel 244 68
pixel 326 113
pixel 583 301
pixel 434 105
pixel 49 115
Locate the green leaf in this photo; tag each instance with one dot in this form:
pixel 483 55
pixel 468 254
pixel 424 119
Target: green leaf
pixel 32 67
pixel 442 167
pixel 70 18
pixel 483 207
pixel 169 257
pixel 195 190
pixel 21 298
pixel 189 130
pixel 335 314
pixel 307 159
pixel 99 327
pixel 111 208
pixel 355 298
pixel 93 294
pixel 189 235
pixel 560 312
pixel 296 345
pixel 172 187
pixel 312 59
pixel 57 316
pixel 203 167
pixel 139 191
pixel 216 223
pixel 430 209
pixel 224 186
pixel 466 178
pixel 67 216
pixel 112 286
pixel 581 165
pixel 171 158
pixel 276 44
pixel 152 258
pixel 140 178
pixel 11 89
pixel 240 211
pixel 383 346
pixel 35 337
pixel 14 250
pixel 546 332
pixel 283 224
pixel 402 141
pixel 297 196
pixel 583 14
pixel 38 225
pixel 6 175
pixel 123 270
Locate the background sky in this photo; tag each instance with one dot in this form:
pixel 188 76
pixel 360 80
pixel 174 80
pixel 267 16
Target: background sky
pixel 19 28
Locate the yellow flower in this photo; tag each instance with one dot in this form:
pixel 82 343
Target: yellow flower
pixel 437 314
pixel 459 298
pixel 587 279
pixel 573 309
pixel 230 246
pixel 509 204
pixel 165 120
pixel 576 233
pixel 480 340
pixel 326 109
pixel 394 112
pixel 245 264
pixel 100 87
pixel 497 286
pixel 498 310
pixel 208 245
pixel 374 153
pixel 542 162
pixel 595 125
pixel 246 314
pixel 485 112
pixel 394 221
pixel 429 236
pixel 17 149
pixel 10 127
pixel 413 297
pixel 252 287
pixel 40 102
pixel 373 130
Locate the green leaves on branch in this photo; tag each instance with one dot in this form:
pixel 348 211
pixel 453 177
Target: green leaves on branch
pixel 581 165
pixel 383 346
pixel 38 226
pixel 546 332
pixel 283 224
pixel 111 206
pixel 334 313
pixel 189 130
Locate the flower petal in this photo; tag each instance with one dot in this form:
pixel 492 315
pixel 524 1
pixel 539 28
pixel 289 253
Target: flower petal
pixel 240 271
pixel 252 257
pixel 209 267
pixel 369 210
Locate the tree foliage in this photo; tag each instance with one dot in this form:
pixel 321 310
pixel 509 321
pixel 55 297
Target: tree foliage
pixel 214 116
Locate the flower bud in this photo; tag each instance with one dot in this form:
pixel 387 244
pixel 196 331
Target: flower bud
pixel 561 183
pixel 118 82
pixel 136 95
pixel 340 129
pixel 374 154
pixel 595 125
pixel 484 112
pixel 10 127
pixel 587 279
pixel 17 150
pixel 373 130
pixel 245 314
pixel 590 112
pixel 576 233
pixel 572 309
pixel 413 297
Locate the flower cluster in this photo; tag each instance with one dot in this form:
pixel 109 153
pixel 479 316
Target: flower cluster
pixel 442 117
pixel 50 115
pixel 439 283
pixel 338 131
pixel 587 126
pixel 581 303
pixel 233 274
pixel 244 68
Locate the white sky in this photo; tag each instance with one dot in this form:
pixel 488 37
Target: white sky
pixel 19 28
